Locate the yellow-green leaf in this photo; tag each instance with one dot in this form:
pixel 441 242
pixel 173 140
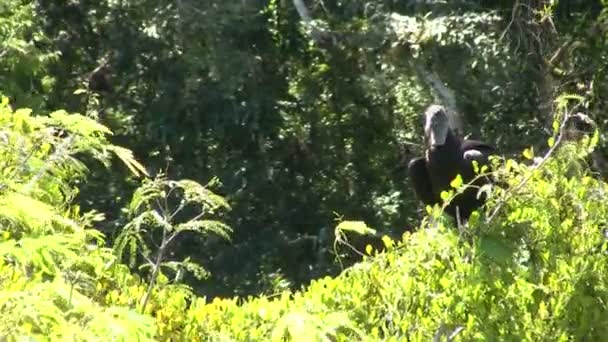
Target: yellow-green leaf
pixel 555 126
pixel 444 195
pixel 369 249
pixel 358 227
pixel 388 242
pixel 529 153
pixel 456 182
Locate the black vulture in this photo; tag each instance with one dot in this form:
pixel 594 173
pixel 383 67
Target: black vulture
pixel 446 156
pixel 99 78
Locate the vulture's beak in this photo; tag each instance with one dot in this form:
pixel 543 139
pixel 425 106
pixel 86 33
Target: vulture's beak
pixel 436 138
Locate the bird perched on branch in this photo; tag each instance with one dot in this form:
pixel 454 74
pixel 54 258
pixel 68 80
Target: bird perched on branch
pixel 446 156
pixel 99 78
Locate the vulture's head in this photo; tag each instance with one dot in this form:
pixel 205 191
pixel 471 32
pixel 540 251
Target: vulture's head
pixel 436 126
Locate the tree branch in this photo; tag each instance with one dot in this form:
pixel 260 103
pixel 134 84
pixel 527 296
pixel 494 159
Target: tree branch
pixel 537 166
pixel 442 94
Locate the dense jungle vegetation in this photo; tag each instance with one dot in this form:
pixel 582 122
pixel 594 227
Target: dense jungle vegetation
pixel 236 170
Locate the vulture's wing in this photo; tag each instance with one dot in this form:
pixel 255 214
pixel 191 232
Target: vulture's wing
pixel 476 150
pixel 421 182
pixel 477 145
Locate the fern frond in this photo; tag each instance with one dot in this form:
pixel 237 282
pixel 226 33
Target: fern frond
pixel 199 194
pixel 24 215
pixel 206 226
pixel 149 191
pixel 129 160
pixel 46 254
pixel 77 124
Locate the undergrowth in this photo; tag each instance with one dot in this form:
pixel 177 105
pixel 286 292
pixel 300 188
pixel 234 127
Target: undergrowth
pixel 533 266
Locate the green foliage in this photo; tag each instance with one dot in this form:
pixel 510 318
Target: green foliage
pixel 24 55
pixel 53 266
pixel 57 280
pixel 297 129
pixel 536 271
pixel 158 205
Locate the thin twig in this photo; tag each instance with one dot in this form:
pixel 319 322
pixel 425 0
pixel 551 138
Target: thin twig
pixel 155 271
pixel 172 236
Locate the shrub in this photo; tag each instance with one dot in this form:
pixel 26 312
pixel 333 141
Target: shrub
pixel 532 268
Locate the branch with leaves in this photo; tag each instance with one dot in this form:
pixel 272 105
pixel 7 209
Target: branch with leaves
pixel 555 141
pixel 159 205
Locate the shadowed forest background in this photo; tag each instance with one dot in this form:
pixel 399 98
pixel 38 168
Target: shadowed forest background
pixel 300 131
pixel 304 113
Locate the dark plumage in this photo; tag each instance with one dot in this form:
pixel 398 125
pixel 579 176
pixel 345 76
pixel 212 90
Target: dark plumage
pixel 99 78
pixel 446 156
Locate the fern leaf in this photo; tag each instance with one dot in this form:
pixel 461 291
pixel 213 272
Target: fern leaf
pixel 206 226
pixel 129 160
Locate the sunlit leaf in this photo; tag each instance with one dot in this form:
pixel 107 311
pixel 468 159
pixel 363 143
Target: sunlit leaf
pixel 529 153
pixel 456 182
pixel 369 249
pixel 358 227
pixel 445 195
pixel 388 242
pixel 129 160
